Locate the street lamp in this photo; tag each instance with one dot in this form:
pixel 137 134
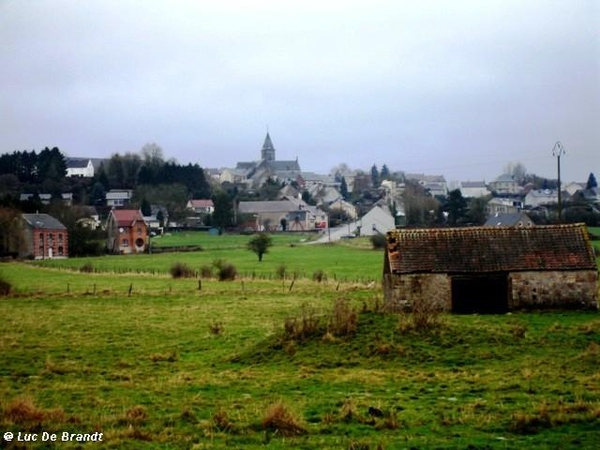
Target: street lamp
pixel 558 151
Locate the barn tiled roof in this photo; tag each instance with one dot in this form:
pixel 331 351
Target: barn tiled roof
pixel 489 249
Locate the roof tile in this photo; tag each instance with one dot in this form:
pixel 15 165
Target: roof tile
pixel 490 249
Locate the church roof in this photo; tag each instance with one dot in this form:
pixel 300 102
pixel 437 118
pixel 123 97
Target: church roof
pixel 268 145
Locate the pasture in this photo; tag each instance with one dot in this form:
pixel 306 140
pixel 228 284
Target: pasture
pixel 156 362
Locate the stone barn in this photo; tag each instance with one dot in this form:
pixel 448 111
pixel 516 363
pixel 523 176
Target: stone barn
pixel 491 269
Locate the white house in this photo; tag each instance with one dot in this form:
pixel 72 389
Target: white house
pixel 378 220
pixel 539 197
pixel 471 189
pixel 435 184
pixel 505 184
pixel 500 205
pixel 79 167
pixel 201 206
pixel 118 197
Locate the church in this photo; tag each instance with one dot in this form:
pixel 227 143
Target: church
pixel 255 173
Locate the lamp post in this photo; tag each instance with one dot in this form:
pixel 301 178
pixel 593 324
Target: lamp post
pixel 558 150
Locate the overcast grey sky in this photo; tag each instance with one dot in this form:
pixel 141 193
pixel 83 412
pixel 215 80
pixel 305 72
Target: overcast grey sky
pixel 459 88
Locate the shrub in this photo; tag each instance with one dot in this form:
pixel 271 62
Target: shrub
pixel 260 245
pixel 182 270
pixel 378 241
pixel 5 287
pixel 218 263
pixel 87 268
pixel 344 319
pixel 206 272
pixel 319 276
pixel 279 419
pixel 281 271
pixel 227 272
pixel 307 325
pixel 423 316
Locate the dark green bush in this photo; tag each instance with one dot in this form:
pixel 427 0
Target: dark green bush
pixel 378 241
pixel 182 270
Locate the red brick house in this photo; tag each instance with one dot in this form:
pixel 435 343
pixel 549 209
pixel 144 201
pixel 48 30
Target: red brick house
pixel 45 237
pixel 491 269
pixel 127 231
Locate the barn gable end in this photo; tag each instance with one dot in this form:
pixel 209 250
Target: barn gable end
pixel 484 269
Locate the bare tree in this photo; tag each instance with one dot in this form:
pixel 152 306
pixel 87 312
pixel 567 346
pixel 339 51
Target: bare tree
pixel 153 154
pixel 517 170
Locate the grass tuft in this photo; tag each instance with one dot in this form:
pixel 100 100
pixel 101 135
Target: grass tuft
pixel 216 328
pixel 280 420
pixel 171 356
pixel 220 420
pixel 24 413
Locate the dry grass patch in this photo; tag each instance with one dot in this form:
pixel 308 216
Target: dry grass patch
pixel 171 356
pixel 280 420
pixel 24 413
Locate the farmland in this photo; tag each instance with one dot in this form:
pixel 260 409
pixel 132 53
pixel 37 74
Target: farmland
pixel 156 362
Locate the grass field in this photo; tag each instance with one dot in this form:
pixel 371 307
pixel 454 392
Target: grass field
pixel 169 365
pixel 351 261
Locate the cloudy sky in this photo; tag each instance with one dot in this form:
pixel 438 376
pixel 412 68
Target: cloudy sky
pixel 459 88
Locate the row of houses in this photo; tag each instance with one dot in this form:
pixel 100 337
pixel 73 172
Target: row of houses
pixel 45 237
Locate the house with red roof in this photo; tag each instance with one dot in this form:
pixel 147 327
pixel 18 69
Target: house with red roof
pixel 490 269
pixel 127 231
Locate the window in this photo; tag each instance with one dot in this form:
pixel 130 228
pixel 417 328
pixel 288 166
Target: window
pixel 42 237
pixel 60 237
pixel 125 243
pixel 60 250
pixel 50 239
pixel 139 230
pixel 41 250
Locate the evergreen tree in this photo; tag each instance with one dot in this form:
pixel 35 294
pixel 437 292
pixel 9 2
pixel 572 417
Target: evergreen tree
pixel 385 173
pixel 223 214
pixel 146 208
pixel 456 206
pixel 344 188
pixel 375 176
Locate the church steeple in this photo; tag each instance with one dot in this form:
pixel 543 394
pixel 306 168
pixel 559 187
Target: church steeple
pixel 268 151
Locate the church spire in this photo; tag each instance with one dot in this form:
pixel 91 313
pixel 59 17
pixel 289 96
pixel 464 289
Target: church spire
pixel 268 151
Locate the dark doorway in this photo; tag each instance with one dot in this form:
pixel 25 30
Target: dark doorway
pixel 486 294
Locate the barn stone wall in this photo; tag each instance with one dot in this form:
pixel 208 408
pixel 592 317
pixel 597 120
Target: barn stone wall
pixel 554 289
pixel 401 291
pixel 527 290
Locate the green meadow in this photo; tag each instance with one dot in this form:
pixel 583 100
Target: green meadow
pixel 275 359
pixel 353 261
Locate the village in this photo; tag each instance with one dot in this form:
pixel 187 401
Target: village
pixel 124 200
